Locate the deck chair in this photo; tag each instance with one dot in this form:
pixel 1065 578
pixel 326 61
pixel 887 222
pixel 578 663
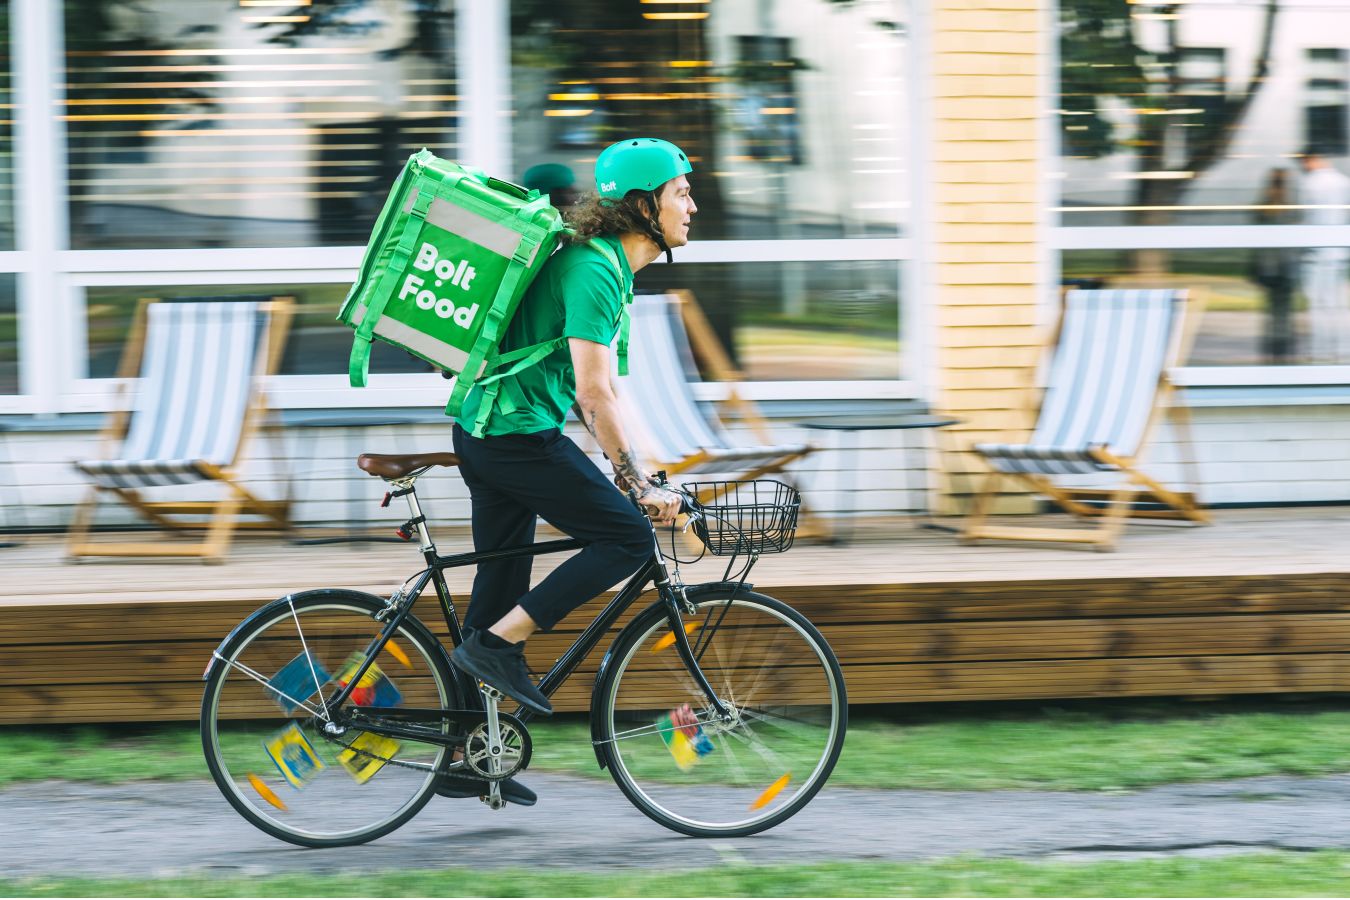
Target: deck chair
pixel 198 401
pixel 668 426
pixel 1108 379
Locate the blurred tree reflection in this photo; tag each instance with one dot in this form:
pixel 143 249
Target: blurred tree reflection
pixel 104 104
pixel 1103 59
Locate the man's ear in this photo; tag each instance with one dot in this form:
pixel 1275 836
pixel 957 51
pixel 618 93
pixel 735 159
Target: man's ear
pixel 650 204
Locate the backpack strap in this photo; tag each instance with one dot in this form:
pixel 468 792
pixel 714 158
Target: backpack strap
pixel 523 358
pixel 625 316
pixel 358 365
pixel 485 346
pixel 519 360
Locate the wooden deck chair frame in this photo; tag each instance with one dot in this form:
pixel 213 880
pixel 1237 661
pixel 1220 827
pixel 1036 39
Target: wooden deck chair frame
pixel 223 515
pixel 1111 506
pixel 708 350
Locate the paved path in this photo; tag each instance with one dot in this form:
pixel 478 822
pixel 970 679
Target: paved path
pixel 162 829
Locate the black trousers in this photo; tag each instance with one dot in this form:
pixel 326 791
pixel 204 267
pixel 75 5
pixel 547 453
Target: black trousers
pixel 513 478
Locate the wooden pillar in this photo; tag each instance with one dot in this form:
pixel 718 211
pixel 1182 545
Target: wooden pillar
pixel 986 152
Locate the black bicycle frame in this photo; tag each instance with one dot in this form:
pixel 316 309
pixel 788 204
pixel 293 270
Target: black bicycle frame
pixel 654 570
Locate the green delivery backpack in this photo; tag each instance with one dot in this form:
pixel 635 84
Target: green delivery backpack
pixel 452 253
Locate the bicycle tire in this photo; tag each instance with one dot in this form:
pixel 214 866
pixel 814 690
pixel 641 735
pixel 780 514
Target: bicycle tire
pixel 321 627
pixel 771 666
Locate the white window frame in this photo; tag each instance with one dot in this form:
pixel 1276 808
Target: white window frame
pixel 52 279
pixel 1180 238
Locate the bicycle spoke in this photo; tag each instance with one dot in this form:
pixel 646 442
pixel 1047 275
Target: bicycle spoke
pixel 318 687
pixel 780 721
pixel 739 773
pixel 300 704
pixel 751 740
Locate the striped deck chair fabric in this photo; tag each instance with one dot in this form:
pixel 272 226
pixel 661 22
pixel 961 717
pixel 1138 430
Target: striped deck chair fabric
pixel 195 387
pixel 1114 347
pixel 662 414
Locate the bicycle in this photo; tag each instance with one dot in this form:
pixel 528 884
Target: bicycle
pixel 329 714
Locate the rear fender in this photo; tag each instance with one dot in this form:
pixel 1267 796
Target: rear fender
pixel 322 593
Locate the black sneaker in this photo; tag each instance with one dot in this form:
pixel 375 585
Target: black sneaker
pixel 502 669
pixel 454 785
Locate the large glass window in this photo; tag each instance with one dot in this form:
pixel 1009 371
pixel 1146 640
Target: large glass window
pixel 7 241
pixel 1268 306
pixel 220 123
pixel 794 114
pixel 317 345
pixel 9 336
pixel 819 321
pixel 1180 113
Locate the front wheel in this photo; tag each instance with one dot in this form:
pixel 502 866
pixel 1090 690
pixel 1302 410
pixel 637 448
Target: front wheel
pixel 707 776
pixel 264 717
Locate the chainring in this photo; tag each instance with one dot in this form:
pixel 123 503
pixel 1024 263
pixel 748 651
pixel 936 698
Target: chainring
pixel 516 748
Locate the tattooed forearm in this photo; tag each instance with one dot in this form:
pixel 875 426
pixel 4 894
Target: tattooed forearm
pixel 587 418
pixel 627 468
pixel 600 416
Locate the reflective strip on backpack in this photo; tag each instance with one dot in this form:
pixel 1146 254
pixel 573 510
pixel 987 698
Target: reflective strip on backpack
pixel 457 220
pixel 358 365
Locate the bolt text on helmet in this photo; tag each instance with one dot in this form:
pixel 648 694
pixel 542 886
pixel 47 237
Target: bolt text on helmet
pixel 608 186
pixel 460 274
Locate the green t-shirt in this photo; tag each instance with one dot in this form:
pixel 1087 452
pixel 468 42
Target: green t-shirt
pixel 577 295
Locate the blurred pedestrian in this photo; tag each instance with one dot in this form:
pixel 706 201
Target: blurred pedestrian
pixel 1325 195
pixel 1275 269
pixel 553 179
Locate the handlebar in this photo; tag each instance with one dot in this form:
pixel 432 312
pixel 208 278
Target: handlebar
pixel 689 504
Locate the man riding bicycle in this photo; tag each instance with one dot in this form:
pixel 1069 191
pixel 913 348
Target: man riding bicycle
pixel 524 467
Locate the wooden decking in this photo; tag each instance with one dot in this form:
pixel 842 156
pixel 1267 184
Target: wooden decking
pixel 1259 602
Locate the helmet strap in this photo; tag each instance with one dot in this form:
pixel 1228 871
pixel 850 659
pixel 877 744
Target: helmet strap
pixel 654 226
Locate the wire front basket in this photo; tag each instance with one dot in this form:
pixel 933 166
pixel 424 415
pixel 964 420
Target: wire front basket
pixel 744 517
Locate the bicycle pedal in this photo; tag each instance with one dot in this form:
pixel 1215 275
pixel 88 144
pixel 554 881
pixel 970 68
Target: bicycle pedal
pixel 490 692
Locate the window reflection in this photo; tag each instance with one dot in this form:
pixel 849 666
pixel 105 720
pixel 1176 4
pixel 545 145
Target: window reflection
pixel 315 345
pixel 1174 113
pixel 793 113
pixel 1274 306
pixel 9 336
pixel 207 123
pixel 6 133
pixel 791 321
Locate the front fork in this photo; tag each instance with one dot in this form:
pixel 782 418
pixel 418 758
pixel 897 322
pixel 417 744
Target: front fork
pixel 677 602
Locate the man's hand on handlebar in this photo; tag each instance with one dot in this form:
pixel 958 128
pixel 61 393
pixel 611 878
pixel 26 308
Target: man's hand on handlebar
pixel 660 504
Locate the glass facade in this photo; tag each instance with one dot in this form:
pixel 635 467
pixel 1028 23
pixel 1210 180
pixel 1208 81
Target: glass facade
pixel 315 345
pixel 215 123
pixel 9 336
pixel 792 321
pixel 1182 113
pixel 794 115
pixel 7 237
pixel 1255 306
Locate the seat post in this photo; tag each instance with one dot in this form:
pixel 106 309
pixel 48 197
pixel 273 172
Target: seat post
pixel 409 491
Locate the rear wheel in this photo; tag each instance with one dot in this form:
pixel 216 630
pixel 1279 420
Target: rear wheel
pixel 701 775
pixel 263 720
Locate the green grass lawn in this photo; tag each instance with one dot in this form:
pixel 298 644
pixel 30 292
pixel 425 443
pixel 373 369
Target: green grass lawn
pixel 1100 745
pixel 1264 875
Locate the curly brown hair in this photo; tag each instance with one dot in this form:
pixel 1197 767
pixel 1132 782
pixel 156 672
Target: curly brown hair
pixel 593 216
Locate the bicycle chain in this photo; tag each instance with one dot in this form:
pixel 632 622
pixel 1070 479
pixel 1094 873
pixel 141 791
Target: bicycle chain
pixel 335 739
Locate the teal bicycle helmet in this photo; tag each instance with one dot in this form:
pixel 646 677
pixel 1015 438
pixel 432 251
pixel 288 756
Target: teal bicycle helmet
pixel 641 164
pixel 638 164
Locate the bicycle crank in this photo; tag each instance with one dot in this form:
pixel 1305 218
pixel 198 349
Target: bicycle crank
pixel 495 757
